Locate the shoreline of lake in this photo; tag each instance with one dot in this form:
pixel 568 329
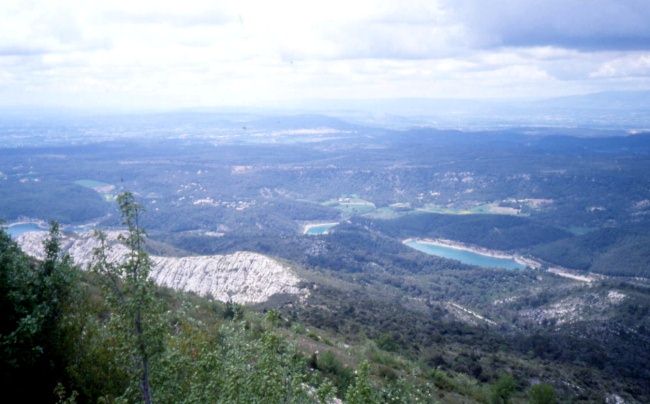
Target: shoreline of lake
pixel 457 245
pixel 40 223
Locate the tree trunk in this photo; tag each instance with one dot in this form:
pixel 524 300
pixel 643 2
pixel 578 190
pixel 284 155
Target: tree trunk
pixel 144 381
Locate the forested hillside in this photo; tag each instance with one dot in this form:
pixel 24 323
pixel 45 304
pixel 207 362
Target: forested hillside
pixel 109 335
pixel 105 334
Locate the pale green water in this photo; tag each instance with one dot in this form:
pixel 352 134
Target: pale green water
pixel 90 183
pixel 16 230
pixel 320 229
pixel 466 257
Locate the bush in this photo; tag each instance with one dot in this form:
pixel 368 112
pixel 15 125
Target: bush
pixel 361 391
pixel 502 390
pixel 542 394
pixel 441 380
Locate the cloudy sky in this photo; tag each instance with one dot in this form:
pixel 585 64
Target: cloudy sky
pixel 144 54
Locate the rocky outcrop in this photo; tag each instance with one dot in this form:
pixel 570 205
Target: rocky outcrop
pixel 588 306
pixel 242 277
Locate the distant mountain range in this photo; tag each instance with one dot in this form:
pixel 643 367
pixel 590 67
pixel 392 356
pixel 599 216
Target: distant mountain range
pixel 627 110
pixel 628 100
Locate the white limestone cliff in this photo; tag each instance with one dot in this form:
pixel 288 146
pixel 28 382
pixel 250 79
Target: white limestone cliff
pixel 242 277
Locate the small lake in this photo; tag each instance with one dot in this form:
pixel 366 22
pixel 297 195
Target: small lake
pixel 466 257
pixel 91 183
pixel 319 229
pixel 16 230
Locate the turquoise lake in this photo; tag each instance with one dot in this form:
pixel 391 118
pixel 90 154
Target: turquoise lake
pixel 91 183
pixel 16 230
pixel 320 229
pixel 466 257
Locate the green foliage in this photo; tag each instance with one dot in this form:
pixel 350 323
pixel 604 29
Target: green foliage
pixel 441 380
pixel 542 394
pixel 361 390
pixel 298 328
pixel 327 362
pixel 273 317
pixel 492 231
pixel 59 200
pixel 332 367
pixel 62 397
pixel 36 301
pixel 404 391
pixel 387 343
pixel 229 365
pixel 326 391
pixel 620 251
pixel 136 314
pixel 503 389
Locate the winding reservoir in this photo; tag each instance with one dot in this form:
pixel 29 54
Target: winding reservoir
pixel 464 256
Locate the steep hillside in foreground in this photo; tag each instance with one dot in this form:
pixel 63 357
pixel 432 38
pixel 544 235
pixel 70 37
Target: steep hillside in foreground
pixel 80 346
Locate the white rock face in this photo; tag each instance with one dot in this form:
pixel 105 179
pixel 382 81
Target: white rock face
pixel 466 315
pixel 593 305
pixel 243 277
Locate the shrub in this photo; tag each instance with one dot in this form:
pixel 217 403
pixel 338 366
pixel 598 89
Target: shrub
pixel 542 394
pixel 502 390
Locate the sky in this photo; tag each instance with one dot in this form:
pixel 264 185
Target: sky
pixel 186 53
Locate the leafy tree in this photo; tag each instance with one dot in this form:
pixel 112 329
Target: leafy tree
pixel 136 313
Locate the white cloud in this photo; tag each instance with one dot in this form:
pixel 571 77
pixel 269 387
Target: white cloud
pixel 185 53
pixel 626 66
pixel 574 24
